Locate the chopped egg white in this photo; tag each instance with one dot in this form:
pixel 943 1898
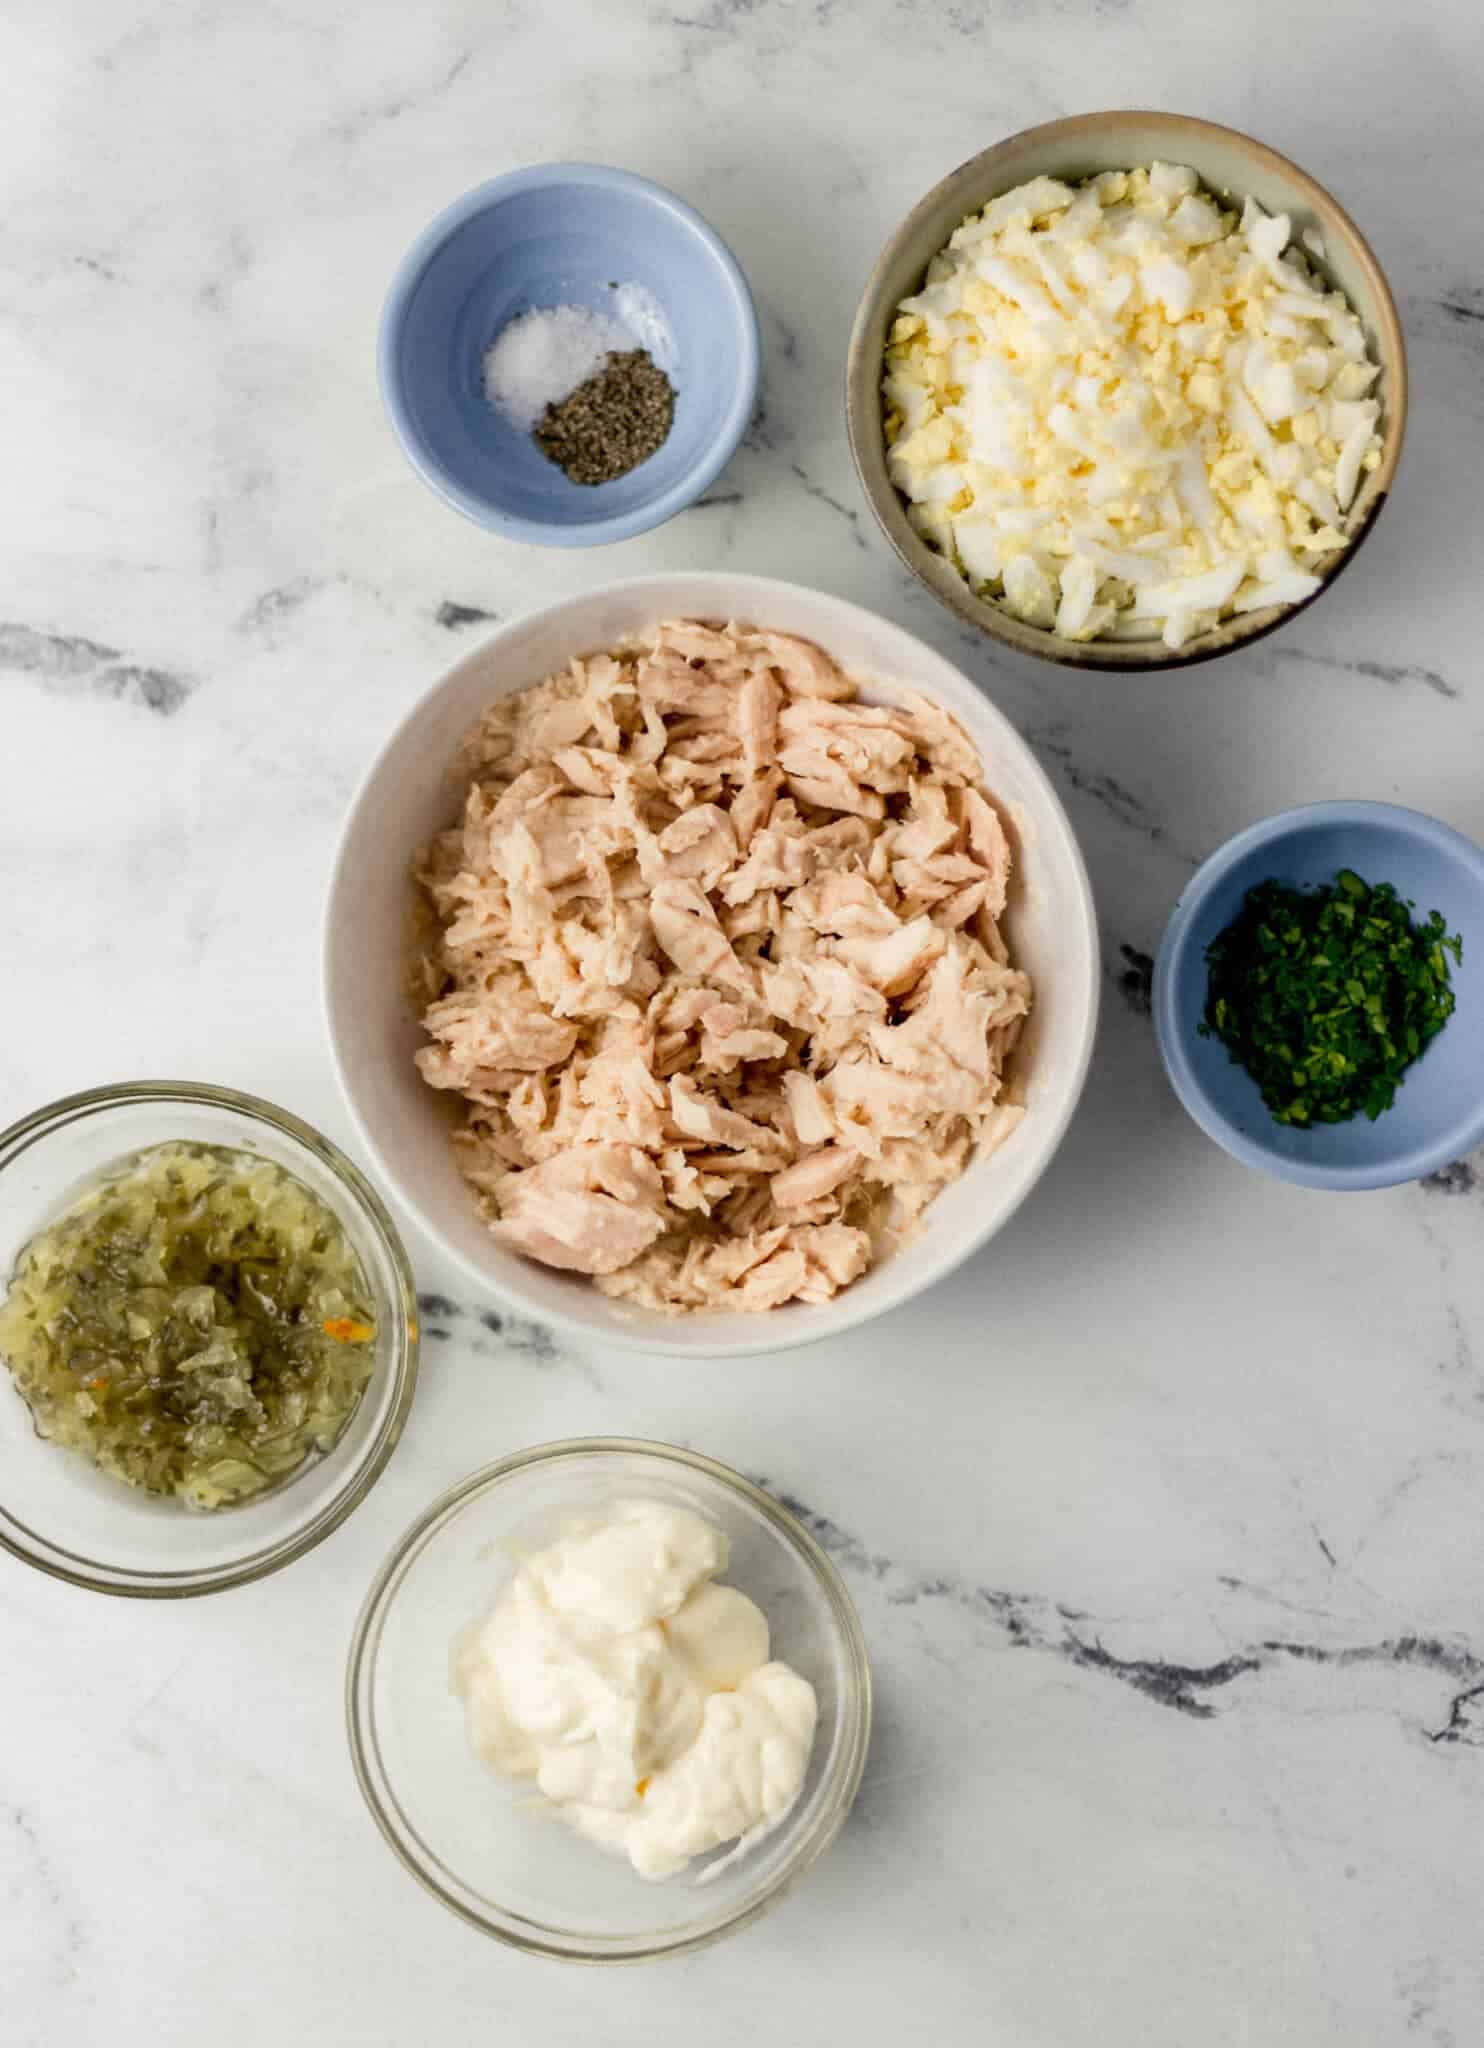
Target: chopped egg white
pixel 1122 410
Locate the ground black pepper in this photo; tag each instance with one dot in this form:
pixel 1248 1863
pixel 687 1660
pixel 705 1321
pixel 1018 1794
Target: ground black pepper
pixel 610 424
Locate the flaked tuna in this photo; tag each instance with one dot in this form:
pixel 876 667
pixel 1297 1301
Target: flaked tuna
pixel 718 970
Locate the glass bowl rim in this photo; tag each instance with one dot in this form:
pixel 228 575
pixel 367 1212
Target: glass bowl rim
pixel 98 1577
pixel 375 1782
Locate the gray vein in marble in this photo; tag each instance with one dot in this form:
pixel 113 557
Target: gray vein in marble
pixel 849 1553
pixel 52 657
pixel 64 1966
pixel 1394 673
pixel 69 665
pixel 1266 1596
pixel 816 491
pixel 454 616
pixel 211 539
pixel 1458 1177
pixel 442 1319
pixel 274 606
pixel 721 17
pixel 213 293
pixel 1465 1721
pixel 787 350
pixel 1180 1686
pixel 971 21
pixel 358 125
pixel 1135 980
pixel 1463 1350
pixel 1119 802
pixel 1420 1986
pixel 717 499
pixel 1467 307
pixel 1426 1653
pixel 1033 1622
pixel 764 432
pixel 526 1339
pixel 1459 1370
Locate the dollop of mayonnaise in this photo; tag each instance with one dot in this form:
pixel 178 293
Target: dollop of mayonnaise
pixel 636 1692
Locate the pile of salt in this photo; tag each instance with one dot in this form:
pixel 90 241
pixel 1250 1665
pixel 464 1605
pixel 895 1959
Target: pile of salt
pixel 542 356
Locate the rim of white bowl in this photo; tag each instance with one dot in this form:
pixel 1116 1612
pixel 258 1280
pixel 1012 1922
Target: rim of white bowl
pixel 650 1335
pixel 554 532
pixel 1172 1027
pixel 423 1863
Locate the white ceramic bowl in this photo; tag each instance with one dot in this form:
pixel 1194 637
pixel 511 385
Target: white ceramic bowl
pixel 409 795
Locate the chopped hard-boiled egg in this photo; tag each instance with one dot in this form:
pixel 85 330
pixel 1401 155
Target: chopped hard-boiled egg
pixel 1122 410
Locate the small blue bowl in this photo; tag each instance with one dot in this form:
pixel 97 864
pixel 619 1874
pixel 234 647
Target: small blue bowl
pixel 1438 1114
pixel 552 235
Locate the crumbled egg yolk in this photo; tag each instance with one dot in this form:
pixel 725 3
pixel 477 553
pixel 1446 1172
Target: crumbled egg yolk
pixel 1122 410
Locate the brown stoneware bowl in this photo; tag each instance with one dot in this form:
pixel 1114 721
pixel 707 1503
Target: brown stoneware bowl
pixel 1229 164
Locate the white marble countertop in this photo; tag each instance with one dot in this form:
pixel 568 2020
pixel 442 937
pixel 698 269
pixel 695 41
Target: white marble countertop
pixel 1166 1515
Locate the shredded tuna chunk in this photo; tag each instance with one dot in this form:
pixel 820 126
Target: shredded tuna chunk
pixel 716 965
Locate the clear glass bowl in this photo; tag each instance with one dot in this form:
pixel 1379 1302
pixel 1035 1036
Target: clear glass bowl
pixel 61 1514
pixel 490 1849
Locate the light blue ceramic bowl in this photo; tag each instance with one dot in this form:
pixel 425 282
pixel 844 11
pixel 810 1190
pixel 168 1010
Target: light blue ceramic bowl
pixel 563 234
pixel 1438 1114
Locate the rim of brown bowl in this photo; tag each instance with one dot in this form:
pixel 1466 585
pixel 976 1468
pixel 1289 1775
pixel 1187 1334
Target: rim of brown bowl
pixel 964 191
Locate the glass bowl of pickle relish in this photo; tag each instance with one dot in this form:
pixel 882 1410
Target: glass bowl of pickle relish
pixel 208 1338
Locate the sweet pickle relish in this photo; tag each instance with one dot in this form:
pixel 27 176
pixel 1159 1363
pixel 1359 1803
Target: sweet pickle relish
pixel 197 1323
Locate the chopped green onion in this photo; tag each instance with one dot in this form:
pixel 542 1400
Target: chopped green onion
pixel 1327 996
